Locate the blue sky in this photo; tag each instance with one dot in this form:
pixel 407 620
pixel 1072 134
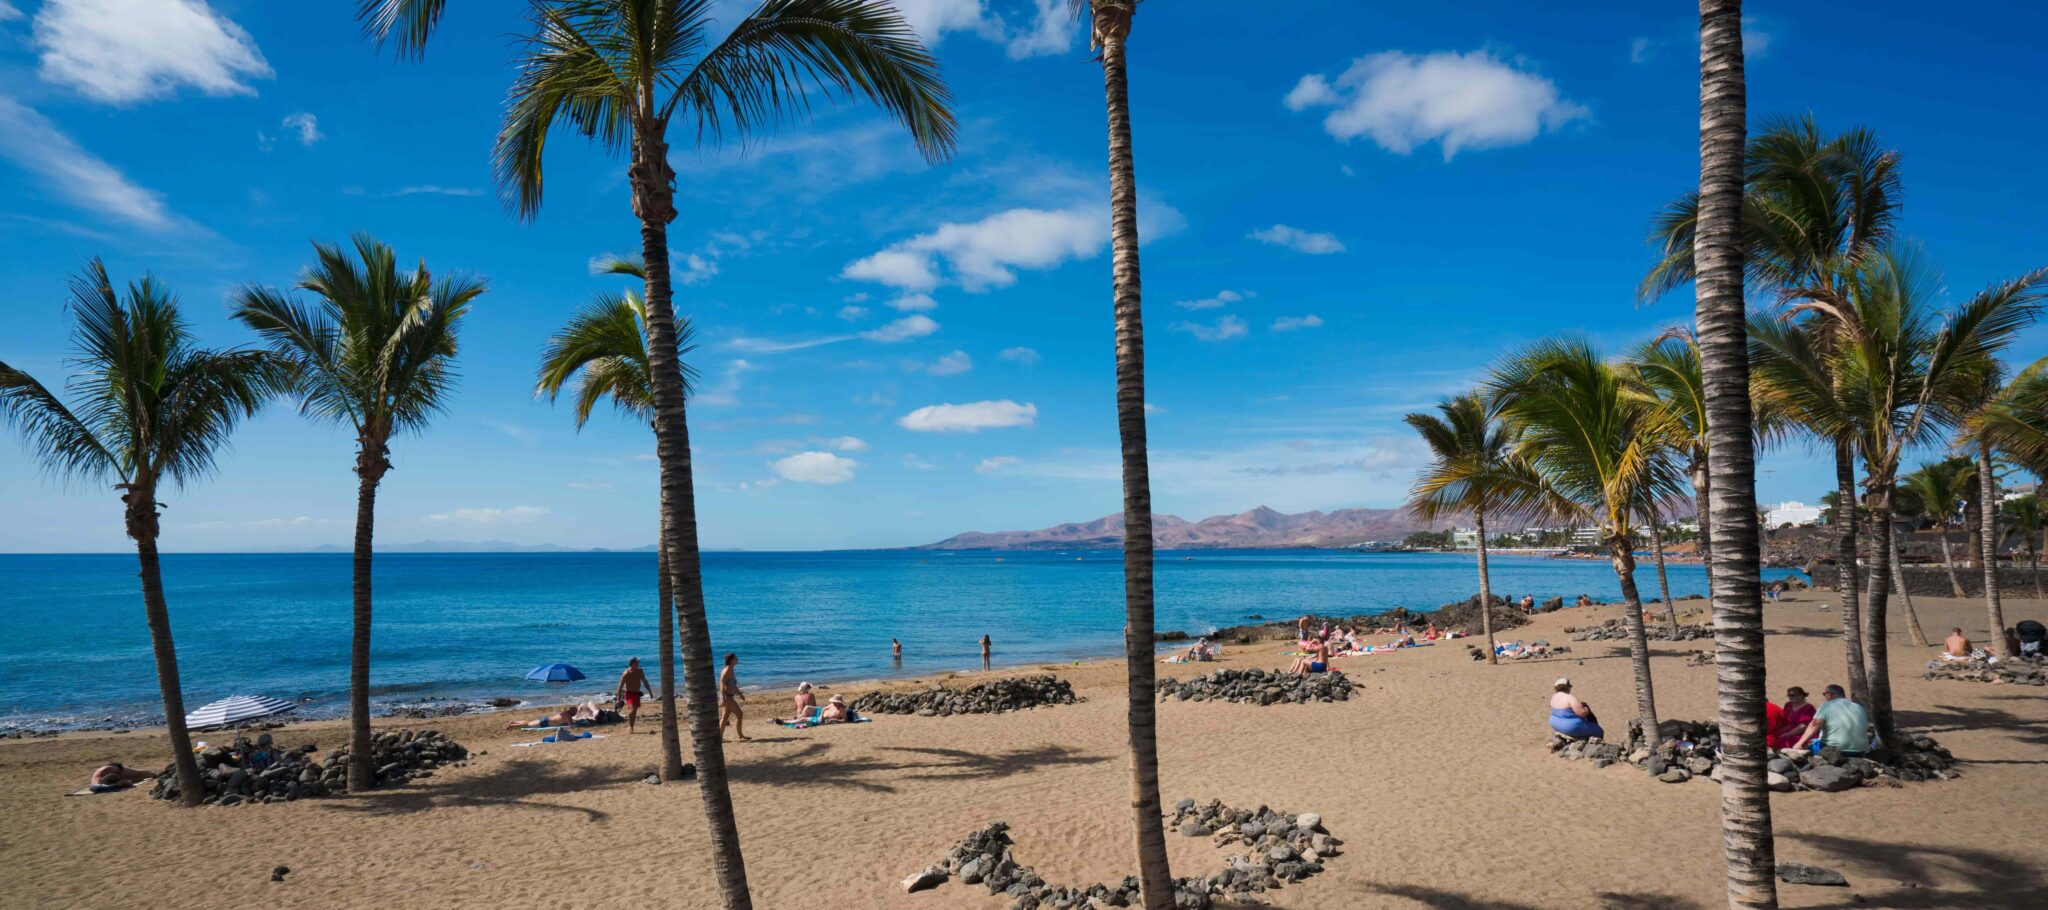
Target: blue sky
pixel 1349 211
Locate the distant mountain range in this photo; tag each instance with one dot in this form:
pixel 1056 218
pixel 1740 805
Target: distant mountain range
pixel 1259 528
pixel 472 546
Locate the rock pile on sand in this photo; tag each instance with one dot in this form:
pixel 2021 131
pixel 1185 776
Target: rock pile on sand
pixel 232 778
pixel 1655 630
pixel 2013 671
pixel 1255 686
pixel 1012 694
pixel 1284 848
pixel 1692 750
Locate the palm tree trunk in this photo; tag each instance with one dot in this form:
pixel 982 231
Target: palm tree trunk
pixel 1485 591
pixel 653 184
pixel 1638 641
pixel 1663 583
pixel 1736 576
pixel 142 526
pixel 1876 659
pixel 1702 488
pixel 1948 560
pixel 1986 508
pixel 2034 560
pixel 671 739
pixel 1913 630
pixel 1154 875
pixel 372 460
pixel 1852 605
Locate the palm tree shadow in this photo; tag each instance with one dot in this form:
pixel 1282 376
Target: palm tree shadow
pixel 511 783
pixel 1439 899
pixel 1951 718
pixel 811 766
pixel 1995 881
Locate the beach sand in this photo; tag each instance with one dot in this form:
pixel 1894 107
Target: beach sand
pixel 1435 776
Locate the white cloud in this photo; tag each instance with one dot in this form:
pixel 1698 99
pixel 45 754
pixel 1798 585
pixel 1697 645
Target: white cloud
pixel 433 189
pixel 1019 355
pixel 815 467
pixel 587 485
pixel 1640 50
pixel 726 391
pixel 1210 303
pixel 969 418
pixel 932 19
pixel 1346 170
pixel 304 124
pixel 914 303
pixel 1224 328
pixel 986 254
pixel 516 515
pixel 851 313
pixel 1151 408
pixel 950 364
pixel 996 463
pixel 1051 32
pixel 1291 323
pixel 8 13
pixel 847 443
pixel 1462 100
pixel 913 326
pixel 272 524
pixel 861 297
pixel 1755 41
pixel 35 144
pixel 1314 243
pixel 913 462
pixel 122 51
pixel 695 268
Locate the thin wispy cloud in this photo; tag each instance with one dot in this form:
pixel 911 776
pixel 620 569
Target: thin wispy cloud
pixel 1640 50
pixel 304 126
pixel 587 485
pixel 972 417
pixel 1210 303
pixel 1468 100
pixel 996 463
pixel 36 145
pixel 985 255
pixel 514 515
pixel 1314 243
pixel 1021 356
pixel 434 189
pixel 1224 328
pixel 1296 323
pixel 952 364
pixel 124 51
pixel 912 326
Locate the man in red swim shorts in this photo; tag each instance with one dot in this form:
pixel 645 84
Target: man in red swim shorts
pixel 632 683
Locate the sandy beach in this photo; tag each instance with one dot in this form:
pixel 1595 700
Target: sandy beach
pixel 1434 775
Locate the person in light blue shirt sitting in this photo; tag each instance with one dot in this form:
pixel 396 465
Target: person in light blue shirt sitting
pixel 1837 722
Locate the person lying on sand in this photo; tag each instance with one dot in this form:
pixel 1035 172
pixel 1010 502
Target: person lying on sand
pixel 561 718
pixel 1570 716
pixel 115 776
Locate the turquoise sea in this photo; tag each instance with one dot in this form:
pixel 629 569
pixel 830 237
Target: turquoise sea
pixel 467 626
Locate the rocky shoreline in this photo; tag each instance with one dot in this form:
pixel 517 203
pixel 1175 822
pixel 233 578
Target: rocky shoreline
pixel 236 775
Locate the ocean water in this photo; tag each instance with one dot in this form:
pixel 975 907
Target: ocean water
pixel 75 651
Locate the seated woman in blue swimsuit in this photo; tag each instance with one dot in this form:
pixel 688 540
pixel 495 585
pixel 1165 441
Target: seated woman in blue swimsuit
pixel 1570 716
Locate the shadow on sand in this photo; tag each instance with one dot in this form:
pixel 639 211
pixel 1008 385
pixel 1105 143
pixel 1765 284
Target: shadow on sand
pixel 1440 899
pixel 509 783
pixel 1995 881
pixel 813 766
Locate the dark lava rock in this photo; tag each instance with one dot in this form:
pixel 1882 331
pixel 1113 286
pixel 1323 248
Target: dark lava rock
pixel 1802 874
pixel 1252 685
pixel 994 697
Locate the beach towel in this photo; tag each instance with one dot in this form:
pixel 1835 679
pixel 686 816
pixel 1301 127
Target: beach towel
pixel 813 719
pixel 545 740
pixel 96 790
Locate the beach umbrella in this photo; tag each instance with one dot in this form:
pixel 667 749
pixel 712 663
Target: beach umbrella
pixel 555 673
pixel 236 709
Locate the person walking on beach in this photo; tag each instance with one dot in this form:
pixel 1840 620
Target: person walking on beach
pixel 984 652
pixel 729 698
pixel 632 684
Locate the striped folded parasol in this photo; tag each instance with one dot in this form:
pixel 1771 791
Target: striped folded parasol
pixel 235 709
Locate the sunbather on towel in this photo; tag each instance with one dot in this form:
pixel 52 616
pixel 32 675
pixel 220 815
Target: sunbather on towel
pixel 581 714
pixel 806 701
pixel 115 776
pixel 836 711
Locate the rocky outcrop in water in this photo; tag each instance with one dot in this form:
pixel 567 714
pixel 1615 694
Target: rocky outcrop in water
pixel 256 772
pixel 1254 686
pixel 1012 694
pixel 2011 671
pixel 1692 750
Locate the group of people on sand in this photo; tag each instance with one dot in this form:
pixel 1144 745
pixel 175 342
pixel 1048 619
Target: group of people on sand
pixel 1793 726
pixel 1317 646
pixel 1958 646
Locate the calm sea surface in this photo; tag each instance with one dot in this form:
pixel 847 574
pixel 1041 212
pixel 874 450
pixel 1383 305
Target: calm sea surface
pixel 467 626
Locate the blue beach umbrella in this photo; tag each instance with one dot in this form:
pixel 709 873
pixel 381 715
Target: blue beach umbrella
pixel 554 673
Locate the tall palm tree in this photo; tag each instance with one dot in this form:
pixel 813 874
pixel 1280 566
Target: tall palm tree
pixel 2024 516
pixel 1109 23
pixel 374 352
pixel 150 405
pixel 1474 470
pixel 1667 370
pixel 1719 244
pixel 1597 445
pixel 619 72
pixel 1906 514
pixel 602 352
pixel 1941 487
pixel 1651 521
pixel 1908 371
pixel 1988 394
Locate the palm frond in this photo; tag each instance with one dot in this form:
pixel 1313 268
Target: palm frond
pixel 404 24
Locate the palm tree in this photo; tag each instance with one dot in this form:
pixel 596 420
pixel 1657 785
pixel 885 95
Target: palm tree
pixel 619 72
pixel 602 351
pixel 1907 511
pixel 1475 470
pixel 1987 396
pixel 1109 27
pixel 1667 370
pixel 1906 373
pixel 151 405
pixel 375 352
pixel 2024 515
pixel 1651 521
pixel 1599 446
pixel 1719 244
pixel 1941 486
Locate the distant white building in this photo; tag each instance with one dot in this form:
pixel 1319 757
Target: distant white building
pixel 1585 536
pixel 1465 537
pixel 1791 512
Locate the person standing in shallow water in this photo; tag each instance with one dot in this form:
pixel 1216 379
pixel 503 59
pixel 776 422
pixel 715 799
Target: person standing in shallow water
pixel 632 684
pixel 896 650
pixel 984 652
pixel 729 698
